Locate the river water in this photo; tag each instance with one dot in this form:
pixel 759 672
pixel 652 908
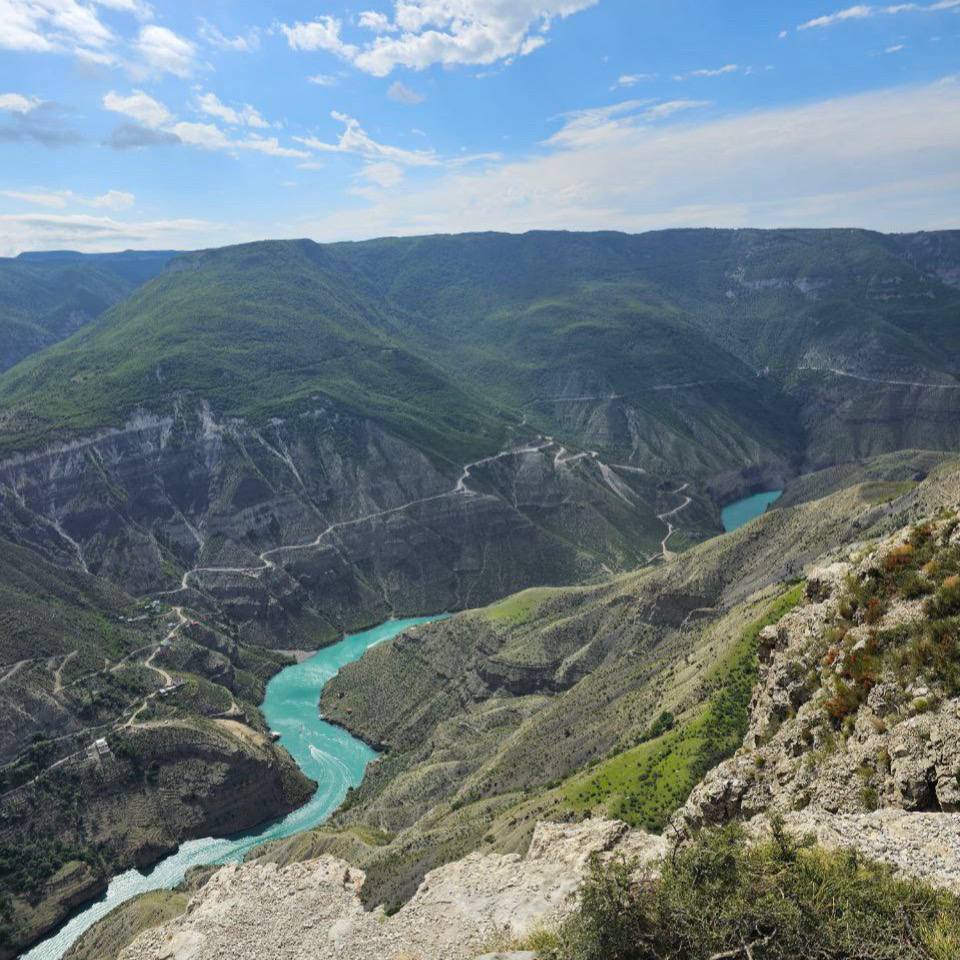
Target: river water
pixel 736 514
pixel 325 753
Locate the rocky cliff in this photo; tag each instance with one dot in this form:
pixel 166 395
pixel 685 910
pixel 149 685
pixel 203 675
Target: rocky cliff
pixel 857 708
pixel 306 528
pixel 312 910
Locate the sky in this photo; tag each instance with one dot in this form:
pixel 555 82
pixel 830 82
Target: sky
pixel 165 124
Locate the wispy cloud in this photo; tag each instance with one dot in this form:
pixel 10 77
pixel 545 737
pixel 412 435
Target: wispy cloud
pixel 827 162
pixel 156 125
pixel 704 72
pixel 60 199
pixel 46 231
pixel 590 128
pixel 355 140
pixel 401 93
pixel 241 116
pixel 863 11
pixel 422 33
pixel 632 79
pixel 53 199
pixel 248 42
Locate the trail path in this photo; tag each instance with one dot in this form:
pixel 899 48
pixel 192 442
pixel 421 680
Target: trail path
pixel 892 383
pixel 665 518
pixel 562 458
pixel 14 670
pixel 460 490
pixel 58 676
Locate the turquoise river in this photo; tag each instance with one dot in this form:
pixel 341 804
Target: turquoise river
pixel 740 512
pixel 325 753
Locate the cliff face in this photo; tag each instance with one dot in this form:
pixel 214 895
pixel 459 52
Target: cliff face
pixel 312 911
pixel 857 708
pixel 162 783
pixel 322 524
pixel 174 699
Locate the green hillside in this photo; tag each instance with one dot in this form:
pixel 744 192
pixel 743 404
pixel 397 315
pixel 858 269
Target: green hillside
pixel 46 297
pixel 701 349
pixel 81 660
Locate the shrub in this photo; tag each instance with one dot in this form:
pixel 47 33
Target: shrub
pixel 898 557
pixel 780 900
pixel 946 601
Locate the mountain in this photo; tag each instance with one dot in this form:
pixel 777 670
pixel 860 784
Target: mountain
pixel 265 446
pixel 436 338
pixel 793 683
pixel 45 297
pixel 84 661
pixel 464 404
pixel 618 699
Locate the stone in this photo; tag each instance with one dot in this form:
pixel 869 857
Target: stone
pixel 306 911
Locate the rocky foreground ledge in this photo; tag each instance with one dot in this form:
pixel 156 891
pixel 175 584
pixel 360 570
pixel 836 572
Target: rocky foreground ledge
pixel 313 911
pixel 852 740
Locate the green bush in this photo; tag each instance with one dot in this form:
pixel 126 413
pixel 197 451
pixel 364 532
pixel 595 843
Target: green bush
pixel 721 897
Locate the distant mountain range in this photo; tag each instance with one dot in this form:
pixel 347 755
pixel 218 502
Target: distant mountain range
pixel 267 445
pixel 45 297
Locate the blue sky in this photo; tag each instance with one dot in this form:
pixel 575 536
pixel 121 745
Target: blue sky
pixel 127 123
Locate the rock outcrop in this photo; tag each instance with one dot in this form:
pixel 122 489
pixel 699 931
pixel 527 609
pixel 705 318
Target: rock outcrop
pixel 854 729
pixel 319 524
pixel 313 911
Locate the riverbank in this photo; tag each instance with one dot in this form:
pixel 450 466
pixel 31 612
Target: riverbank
pixel 325 753
pixel 740 512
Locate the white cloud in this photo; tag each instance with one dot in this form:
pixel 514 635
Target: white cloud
pixel 896 48
pixel 18 103
pixel 467 158
pixel 859 12
pixel 584 128
pixel 165 51
pixel 138 8
pixel 154 116
pixel 113 200
pixel 93 234
pixel 378 22
pixel 832 162
pixel 449 32
pixel 707 72
pixel 320 34
pixel 54 199
pixel 64 26
pixel 140 106
pixel 662 111
pixel 59 199
pixel 248 42
pixel 206 136
pixel 323 80
pixel 863 11
pixel 355 140
pixel 632 79
pixel 383 174
pixel 270 146
pixel 244 116
pixel 401 93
